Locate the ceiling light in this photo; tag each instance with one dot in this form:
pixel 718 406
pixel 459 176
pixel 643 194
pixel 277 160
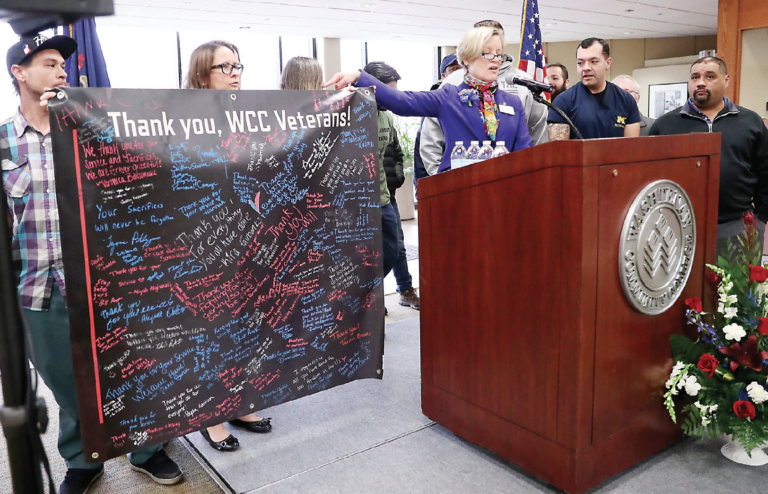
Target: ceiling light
pixel 185 3
pixel 396 36
pixel 245 27
pixel 550 24
pixel 628 32
pixel 367 5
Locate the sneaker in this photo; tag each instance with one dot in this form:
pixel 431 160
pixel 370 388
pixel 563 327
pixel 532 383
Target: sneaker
pixel 160 468
pixel 409 299
pixel 79 480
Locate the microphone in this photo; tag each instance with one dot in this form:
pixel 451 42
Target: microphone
pixel 534 86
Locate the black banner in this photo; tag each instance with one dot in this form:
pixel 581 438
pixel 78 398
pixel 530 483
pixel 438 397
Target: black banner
pixel 222 252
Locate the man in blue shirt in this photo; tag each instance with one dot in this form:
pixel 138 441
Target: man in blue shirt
pixel 597 107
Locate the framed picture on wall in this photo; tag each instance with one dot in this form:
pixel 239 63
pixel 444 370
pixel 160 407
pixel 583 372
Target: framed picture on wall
pixel 666 97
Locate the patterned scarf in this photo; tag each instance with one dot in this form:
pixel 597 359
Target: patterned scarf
pixel 488 109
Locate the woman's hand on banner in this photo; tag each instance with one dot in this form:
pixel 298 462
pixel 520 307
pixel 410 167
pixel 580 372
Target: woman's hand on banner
pixel 342 80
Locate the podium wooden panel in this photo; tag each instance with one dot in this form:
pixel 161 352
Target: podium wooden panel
pixel 528 345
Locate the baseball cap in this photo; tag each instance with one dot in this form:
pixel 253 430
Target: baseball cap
pixel 29 45
pixel 448 60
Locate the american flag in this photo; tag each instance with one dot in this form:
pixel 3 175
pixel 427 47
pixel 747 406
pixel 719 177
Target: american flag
pixel 531 59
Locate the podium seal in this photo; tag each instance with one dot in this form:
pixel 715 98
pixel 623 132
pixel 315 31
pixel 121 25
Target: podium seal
pixel 657 245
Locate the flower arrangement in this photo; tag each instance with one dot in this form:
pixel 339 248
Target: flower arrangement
pixel 721 377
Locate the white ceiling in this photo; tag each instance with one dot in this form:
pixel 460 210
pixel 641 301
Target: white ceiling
pixel 437 22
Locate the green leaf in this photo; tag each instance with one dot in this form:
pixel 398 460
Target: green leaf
pixel 681 346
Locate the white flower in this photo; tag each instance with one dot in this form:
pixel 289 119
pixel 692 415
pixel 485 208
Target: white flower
pixel 676 369
pixel 762 289
pixel 729 286
pixel 730 312
pixel 723 297
pixel 734 332
pixel 732 299
pixel 705 421
pixel 757 393
pixel 721 308
pixel 692 386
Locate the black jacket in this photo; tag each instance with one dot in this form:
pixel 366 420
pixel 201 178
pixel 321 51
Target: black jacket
pixel 393 166
pixel 743 154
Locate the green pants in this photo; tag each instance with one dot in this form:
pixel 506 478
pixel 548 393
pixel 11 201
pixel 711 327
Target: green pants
pixel 52 356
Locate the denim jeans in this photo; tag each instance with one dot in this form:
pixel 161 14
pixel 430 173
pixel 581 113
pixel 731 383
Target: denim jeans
pixel 402 275
pixel 389 237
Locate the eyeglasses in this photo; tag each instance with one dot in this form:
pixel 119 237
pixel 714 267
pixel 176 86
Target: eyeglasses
pixel 491 56
pixel 226 68
pixel 632 92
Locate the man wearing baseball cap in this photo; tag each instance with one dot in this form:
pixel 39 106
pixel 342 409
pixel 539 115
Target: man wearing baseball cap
pixel 36 64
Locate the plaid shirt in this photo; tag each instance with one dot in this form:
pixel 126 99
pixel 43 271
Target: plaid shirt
pixel 29 183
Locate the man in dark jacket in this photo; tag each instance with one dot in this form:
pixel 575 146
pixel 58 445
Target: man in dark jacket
pixel 391 155
pixel 744 146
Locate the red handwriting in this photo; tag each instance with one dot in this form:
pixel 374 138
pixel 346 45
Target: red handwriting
pixel 109 340
pixel 264 380
pixel 369 301
pixel 229 405
pixel 336 295
pixel 235 145
pixel 296 342
pixel 370 163
pixel 166 252
pixel 277 139
pixel 313 256
pixel 229 376
pixel 138 364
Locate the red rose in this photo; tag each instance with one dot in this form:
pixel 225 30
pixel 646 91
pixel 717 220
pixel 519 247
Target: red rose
pixel 758 274
pixel 762 325
pixel 744 409
pixel 712 277
pixel 708 363
pixel 694 304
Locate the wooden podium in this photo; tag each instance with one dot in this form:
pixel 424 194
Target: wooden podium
pixel 528 345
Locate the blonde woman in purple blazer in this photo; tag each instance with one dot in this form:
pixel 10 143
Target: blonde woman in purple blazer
pixel 472 111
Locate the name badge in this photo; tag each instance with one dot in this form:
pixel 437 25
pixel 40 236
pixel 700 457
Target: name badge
pixel 506 109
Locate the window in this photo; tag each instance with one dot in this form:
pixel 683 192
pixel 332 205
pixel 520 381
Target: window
pixel 295 46
pixel 352 55
pixel 140 58
pixel 416 69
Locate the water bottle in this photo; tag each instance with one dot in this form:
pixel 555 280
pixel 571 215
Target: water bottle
pixel 473 151
pixel 500 150
pixel 458 156
pixel 486 152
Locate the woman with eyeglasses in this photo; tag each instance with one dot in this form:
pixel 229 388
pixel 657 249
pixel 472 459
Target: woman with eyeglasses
pixel 472 111
pixel 216 65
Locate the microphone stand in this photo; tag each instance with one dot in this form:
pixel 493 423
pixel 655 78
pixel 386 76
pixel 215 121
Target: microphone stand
pixel 540 99
pixel 22 416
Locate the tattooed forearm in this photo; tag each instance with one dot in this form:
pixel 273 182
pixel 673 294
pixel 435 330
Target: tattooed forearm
pixel 559 132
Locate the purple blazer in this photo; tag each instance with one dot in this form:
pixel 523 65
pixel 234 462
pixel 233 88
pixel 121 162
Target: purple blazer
pixel 460 122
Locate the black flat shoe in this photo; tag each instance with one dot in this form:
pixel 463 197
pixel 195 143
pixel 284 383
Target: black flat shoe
pixel 230 443
pixel 263 425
